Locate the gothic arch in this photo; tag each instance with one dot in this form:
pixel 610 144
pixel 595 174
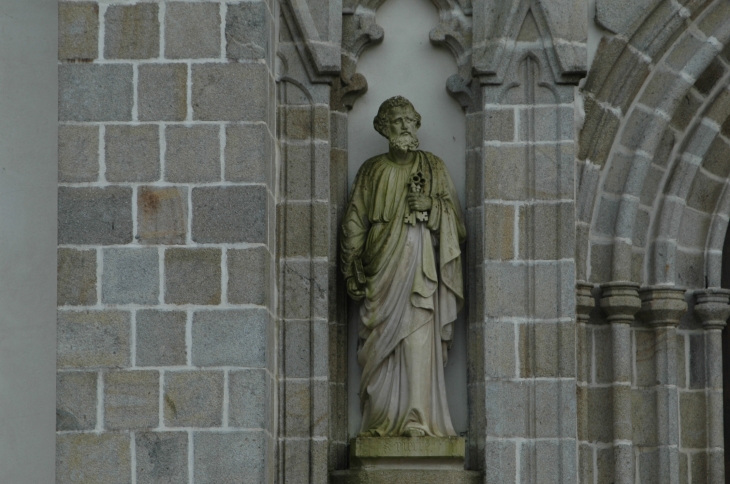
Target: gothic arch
pixel 632 134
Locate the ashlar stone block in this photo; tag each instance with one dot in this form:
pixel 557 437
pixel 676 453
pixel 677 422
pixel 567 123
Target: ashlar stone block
pixel 91 457
pixel 132 31
pixel 248 275
pixel 692 416
pixel 230 457
pixel 76 400
pixel 162 92
pixel 131 276
pixel 92 339
pixel 78 27
pixel 76 277
pixel 193 399
pixel 229 214
pixel 249 398
pixel 230 338
pixel 78 153
pixel 192 30
pixel 193 276
pixel 161 338
pixel 131 399
pixel 162 457
pixel 132 153
pixel 193 154
pixel 95 92
pixel 230 92
pixel 247 30
pixel 162 215
pixel 247 152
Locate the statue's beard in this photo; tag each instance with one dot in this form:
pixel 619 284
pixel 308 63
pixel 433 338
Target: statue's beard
pixel 404 142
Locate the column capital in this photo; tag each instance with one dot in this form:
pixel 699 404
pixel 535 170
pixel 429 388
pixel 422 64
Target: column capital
pixel 584 301
pixel 712 305
pixel 620 301
pixel 662 305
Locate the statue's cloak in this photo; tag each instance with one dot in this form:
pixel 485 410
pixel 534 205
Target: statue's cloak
pixel 413 278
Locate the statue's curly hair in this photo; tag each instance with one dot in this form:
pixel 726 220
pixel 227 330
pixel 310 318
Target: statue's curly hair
pixel 380 123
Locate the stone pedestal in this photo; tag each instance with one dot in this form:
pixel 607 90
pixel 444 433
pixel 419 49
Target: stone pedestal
pixel 406 460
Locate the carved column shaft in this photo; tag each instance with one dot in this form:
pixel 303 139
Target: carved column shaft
pixel 620 301
pixel 713 309
pixel 661 308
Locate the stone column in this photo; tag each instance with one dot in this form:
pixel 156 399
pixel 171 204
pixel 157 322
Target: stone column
pixel 620 301
pixel 711 305
pixel 661 309
pixel 584 303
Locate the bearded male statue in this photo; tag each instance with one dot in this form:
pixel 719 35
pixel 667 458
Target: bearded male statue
pixel 401 258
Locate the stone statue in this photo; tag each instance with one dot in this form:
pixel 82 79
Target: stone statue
pixel 401 258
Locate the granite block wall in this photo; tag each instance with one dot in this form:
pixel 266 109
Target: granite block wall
pixel 165 242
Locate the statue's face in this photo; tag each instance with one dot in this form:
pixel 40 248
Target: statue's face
pixel 402 121
pixel 402 129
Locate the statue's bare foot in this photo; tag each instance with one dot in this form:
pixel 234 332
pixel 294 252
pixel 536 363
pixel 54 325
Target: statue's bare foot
pixel 413 432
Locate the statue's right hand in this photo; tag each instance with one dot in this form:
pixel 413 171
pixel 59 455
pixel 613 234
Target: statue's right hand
pixel 354 290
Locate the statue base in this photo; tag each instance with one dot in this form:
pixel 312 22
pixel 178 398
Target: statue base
pixel 406 460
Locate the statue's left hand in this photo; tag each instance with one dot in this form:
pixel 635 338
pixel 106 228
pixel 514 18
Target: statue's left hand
pixel 419 202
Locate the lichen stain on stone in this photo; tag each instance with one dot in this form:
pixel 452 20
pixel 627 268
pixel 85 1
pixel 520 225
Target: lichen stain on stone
pixel 150 201
pixel 66 420
pixel 170 403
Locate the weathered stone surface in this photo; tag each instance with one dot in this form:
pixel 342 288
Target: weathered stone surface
pixel 92 339
pixel 193 154
pixel 553 228
pixel 193 276
pixel 406 476
pixel 230 338
pixel 76 277
pixel 230 92
pixel 193 398
pixel 78 26
pixel 247 30
pixel 162 215
pixel 93 458
pixel 95 92
pixel 132 153
pixel 78 153
pixel 76 400
pixel 161 338
pixel 229 214
pixel 162 92
pixel 230 457
pixel 546 124
pixel 426 447
pixel 132 31
pixel 248 271
pixel 192 31
pixel 249 397
pixel 499 125
pixel 162 457
pixel 248 148
pixel 131 399
pixel 131 276
pixel 692 408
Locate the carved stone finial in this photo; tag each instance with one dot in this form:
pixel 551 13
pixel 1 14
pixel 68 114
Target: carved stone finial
pixel 620 301
pixel 662 306
pixel 584 301
pixel 712 306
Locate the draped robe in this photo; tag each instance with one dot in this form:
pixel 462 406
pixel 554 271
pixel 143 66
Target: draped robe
pixel 413 292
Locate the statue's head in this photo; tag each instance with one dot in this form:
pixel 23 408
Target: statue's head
pixel 398 121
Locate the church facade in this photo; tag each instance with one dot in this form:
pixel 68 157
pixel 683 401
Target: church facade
pixel 203 167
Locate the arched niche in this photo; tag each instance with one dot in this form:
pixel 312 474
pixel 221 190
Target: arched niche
pixel 407 64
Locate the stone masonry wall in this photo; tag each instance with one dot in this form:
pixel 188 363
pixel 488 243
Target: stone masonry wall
pixel 165 233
